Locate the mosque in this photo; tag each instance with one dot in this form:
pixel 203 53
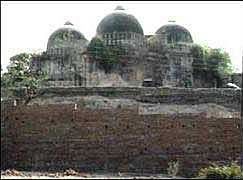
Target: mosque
pixel 162 59
pixel 89 120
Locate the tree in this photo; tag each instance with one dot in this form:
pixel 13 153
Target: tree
pixel 214 61
pixel 197 51
pixel 218 61
pixel 199 63
pixel 19 75
pixel 107 57
pixel 96 49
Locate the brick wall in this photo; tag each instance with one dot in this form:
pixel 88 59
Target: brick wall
pixel 55 137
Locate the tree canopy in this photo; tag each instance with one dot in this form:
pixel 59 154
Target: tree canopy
pixel 107 57
pixel 20 75
pixel 216 61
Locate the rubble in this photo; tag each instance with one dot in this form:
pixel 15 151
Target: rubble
pixel 11 172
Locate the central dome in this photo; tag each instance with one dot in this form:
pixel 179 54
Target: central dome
pixel 119 21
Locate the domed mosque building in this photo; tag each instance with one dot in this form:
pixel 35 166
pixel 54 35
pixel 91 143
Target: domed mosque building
pixel 63 61
pixel 169 59
pixel 161 59
pixel 123 31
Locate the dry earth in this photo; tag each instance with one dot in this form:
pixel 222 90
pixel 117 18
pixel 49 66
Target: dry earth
pixel 71 174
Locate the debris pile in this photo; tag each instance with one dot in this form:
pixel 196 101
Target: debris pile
pixel 11 172
pixel 70 172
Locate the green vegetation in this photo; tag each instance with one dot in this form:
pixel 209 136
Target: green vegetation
pixel 214 61
pixel 107 57
pixel 221 172
pixel 19 74
pixel 187 83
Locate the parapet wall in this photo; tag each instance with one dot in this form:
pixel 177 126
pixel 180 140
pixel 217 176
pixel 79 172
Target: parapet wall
pixel 224 96
pixel 120 132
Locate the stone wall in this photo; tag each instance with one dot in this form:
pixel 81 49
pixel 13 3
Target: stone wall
pixel 168 65
pixel 121 132
pixel 68 67
pixel 224 96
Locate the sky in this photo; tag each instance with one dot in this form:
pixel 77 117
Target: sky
pixel 26 26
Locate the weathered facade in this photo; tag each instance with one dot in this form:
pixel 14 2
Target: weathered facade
pixel 163 58
pixel 63 61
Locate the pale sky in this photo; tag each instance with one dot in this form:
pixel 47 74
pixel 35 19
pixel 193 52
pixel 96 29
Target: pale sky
pixel 26 26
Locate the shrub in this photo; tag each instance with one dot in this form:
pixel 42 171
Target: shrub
pixel 221 172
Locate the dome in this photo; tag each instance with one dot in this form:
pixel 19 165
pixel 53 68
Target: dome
pixel 175 33
pixel 66 37
pixel 119 21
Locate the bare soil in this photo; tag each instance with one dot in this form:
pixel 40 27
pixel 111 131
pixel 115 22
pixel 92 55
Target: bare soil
pixel 71 174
